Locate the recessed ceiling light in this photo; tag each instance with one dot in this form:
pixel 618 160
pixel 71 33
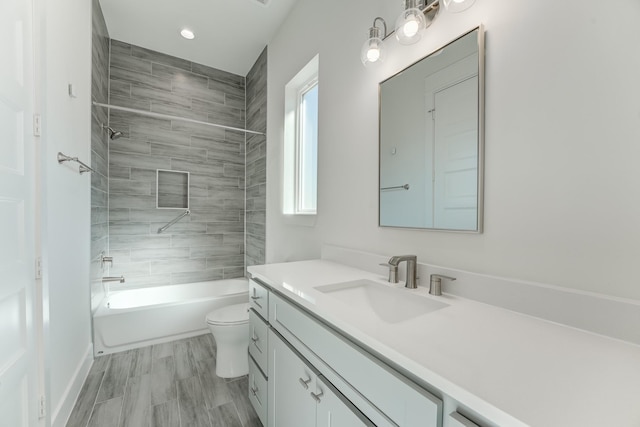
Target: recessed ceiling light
pixel 187 34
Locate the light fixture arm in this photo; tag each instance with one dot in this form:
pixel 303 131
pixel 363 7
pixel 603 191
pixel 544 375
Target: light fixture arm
pixel 374 31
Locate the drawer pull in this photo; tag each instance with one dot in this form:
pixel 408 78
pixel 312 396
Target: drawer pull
pixel 305 383
pixel 317 396
pixel 255 297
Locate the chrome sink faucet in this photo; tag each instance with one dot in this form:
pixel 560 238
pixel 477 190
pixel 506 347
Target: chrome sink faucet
pixel 411 260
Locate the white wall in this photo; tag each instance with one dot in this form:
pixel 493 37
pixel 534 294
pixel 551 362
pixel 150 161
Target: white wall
pixel 67 204
pixel 562 140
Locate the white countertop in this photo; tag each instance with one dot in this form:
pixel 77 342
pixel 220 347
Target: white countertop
pixel 511 368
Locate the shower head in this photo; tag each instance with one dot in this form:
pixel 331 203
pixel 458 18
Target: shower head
pixel 113 134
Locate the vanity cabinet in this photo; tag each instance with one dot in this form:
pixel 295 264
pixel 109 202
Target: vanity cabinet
pixel 314 375
pixel 258 349
pixel 301 397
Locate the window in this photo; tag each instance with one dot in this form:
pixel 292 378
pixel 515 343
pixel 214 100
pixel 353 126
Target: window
pixel 301 142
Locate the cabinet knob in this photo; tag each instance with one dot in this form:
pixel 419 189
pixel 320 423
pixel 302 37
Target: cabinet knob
pixel 305 383
pixel 255 297
pixel 317 396
pixel 255 339
pixel 254 390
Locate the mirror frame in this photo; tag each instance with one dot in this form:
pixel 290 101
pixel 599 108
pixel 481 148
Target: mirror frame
pixel 481 114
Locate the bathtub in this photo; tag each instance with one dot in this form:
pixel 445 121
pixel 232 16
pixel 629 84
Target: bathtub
pixel 141 317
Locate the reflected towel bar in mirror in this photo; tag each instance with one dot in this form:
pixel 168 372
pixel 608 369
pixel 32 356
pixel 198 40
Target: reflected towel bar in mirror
pixel 397 187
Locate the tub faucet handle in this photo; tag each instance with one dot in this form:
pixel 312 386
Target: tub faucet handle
pixel 106 259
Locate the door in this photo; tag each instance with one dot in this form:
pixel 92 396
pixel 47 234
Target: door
pixel 291 382
pixel 334 410
pixel 455 186
pixel 18 365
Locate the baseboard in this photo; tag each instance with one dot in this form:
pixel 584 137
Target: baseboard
pixel 60 415
pixel 601 314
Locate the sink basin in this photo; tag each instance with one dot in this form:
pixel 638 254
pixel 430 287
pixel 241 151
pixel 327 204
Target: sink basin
pixel 392 305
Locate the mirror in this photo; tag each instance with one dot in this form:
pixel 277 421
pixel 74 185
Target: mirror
pixel 431 140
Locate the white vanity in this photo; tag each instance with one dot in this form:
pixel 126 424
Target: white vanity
pixel 334 345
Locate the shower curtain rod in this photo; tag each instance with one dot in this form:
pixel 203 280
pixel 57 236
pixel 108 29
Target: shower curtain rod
pixel 166 116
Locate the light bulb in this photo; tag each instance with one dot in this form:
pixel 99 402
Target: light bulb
pixel 373 54
pixel 372 51
pixel 409 26
pixel 456 6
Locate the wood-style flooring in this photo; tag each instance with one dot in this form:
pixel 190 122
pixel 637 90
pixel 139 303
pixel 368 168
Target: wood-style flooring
pixel 172 384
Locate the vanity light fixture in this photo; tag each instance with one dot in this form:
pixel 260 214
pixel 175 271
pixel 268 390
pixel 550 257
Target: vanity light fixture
pixel 417 15
pixel 373 49
pixel 187 34
pixel 410 23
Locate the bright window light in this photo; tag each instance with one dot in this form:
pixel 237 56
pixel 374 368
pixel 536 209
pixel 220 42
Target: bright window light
pixel 300 175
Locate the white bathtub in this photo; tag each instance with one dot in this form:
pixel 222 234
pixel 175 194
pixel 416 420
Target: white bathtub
pixel 140 317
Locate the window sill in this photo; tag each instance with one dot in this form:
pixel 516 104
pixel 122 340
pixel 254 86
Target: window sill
pixel 303 220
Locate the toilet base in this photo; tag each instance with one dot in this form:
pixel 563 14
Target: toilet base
pixel 232 361
pixel 232 357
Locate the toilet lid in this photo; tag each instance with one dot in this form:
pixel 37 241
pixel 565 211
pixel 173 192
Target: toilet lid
pixel 229 315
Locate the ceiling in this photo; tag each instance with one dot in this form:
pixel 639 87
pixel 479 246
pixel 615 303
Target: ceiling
pixel 230 34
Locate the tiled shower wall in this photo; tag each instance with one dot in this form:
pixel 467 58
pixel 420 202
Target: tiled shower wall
pixel 256 160
pixel 209 244
pixel 99 149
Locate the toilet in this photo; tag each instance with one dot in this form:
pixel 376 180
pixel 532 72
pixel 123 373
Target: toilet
pixel 230 328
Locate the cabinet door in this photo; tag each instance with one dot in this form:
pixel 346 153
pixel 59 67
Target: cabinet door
pixel 334 410
pixel 291 382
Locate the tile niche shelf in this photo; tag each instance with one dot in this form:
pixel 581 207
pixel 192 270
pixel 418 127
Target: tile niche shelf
pixel 172 190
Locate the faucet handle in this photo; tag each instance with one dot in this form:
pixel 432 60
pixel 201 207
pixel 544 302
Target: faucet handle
pixel 393 272
pixel 435 283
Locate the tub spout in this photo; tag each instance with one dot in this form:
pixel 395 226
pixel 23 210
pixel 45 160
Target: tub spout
pixel 113 279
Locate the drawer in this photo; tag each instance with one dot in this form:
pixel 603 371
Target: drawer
pixel 259 298
pixel 258 391
pixel 400 399
pixel 259 340
pixel 457 420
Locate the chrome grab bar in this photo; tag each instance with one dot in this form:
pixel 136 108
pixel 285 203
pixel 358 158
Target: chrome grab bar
pixel 83 166
pixel 397 187
pixel 173 221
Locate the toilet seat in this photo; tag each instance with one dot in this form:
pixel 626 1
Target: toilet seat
pixel 236 314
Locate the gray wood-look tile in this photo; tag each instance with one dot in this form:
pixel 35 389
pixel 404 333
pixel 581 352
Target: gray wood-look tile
pixel 165 414
pixel 136 410
pixel 163 385
pixel 131 63
pixel 160 398
pixel 86 399
pixel 225 416
pixel 240 395
pixel 203 347
pixel 141 361
pixel 115 377
pixel 193 409
pixel 256 119
pixel 185 362
pixel 215 157
pixel 140 52
pixel 216 390
pixel 107 413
